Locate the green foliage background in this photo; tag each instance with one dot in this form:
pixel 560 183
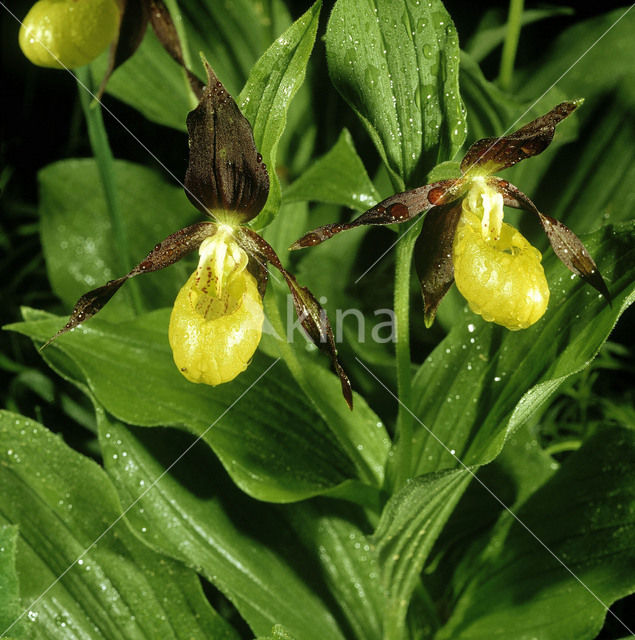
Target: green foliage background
pixel 134 504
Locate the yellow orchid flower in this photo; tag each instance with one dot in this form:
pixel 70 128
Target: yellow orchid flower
pixel 464 239
pixel 216 322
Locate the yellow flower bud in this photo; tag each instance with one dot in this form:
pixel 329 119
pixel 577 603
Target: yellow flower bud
pixel 216 321
pixel 495 268
pixel 68 33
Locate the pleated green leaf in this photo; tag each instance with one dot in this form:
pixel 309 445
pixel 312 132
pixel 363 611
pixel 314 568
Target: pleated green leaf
pixel 82 572
pixel 409 526
pixel 338 177
pixel 583 519
pixel 265 99
pixel 242 546
pixel 269 437
pixel 397 65
pixel 10 608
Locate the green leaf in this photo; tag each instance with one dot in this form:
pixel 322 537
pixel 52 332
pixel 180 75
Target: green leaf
pixel 517 472
pixel 278 633
pixel 10 608
pixel 491 29
pixel 360 433
pixel 82 571
pixel 589 59
pixel 583 515
pixel 409 525
pixel 77 238
pixel 273 444
pixel 338 177
pixel 482 381
pixel 151 82
pixel 397 65
pixel 332 533
pixel 489 110
pixel 240 545
pixel 265 99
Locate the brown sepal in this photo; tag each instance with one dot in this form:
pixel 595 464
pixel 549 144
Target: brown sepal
pixel 165 253
pixel 398 208
pixel 493 154
pixel 167 35
pixel 433 256
pixel 132 28
pixel 225 171
pixel 311 314
pixel 258 269
pixel 565 244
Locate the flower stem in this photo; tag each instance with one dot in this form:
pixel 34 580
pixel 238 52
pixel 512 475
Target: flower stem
pixel 403 432
pixel 105 164
pixel 514 23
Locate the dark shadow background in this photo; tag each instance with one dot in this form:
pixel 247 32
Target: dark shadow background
pixel 41 122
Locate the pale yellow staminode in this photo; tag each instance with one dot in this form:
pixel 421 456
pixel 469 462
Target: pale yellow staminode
pixel 495 268
pixel 216 321
pixel 68 33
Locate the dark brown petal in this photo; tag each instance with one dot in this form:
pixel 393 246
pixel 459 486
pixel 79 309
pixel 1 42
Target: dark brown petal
pixel 493 154
pixel 565 244
pixel 396 209
pixel 310 312
pixel 132 28
pixel 433 256
pixel 165 31
pixel 258 269
pixel 165 253
pixel 225 171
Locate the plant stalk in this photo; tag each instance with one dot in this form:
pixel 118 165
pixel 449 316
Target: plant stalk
pixel 403 433
pixel 510 46
pixel 105 164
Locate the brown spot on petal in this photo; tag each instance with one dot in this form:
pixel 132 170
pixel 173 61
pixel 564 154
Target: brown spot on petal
pixel 436 195
pixel 399 211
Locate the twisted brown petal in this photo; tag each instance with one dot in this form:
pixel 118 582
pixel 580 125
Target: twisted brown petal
pixel 398 208
pixel 165 31
pixel 565 244
pixel 311 314
pixel 165 253
pixel 493 154
pixel 433 256
pixel 132 28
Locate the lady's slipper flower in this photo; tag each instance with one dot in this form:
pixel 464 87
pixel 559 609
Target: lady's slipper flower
pixel 68 33
pixel 65 34
pixel 216 321
pixel 464 239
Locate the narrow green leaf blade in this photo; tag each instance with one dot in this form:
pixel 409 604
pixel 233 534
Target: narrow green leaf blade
pixel 250 415
pixel 10 607
pixel 409 526
pixel 333 535
pixel 583 515
pixel 240 545
pixel 482 381
pixel 82 571
pixel 265 99
pixel 397 65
